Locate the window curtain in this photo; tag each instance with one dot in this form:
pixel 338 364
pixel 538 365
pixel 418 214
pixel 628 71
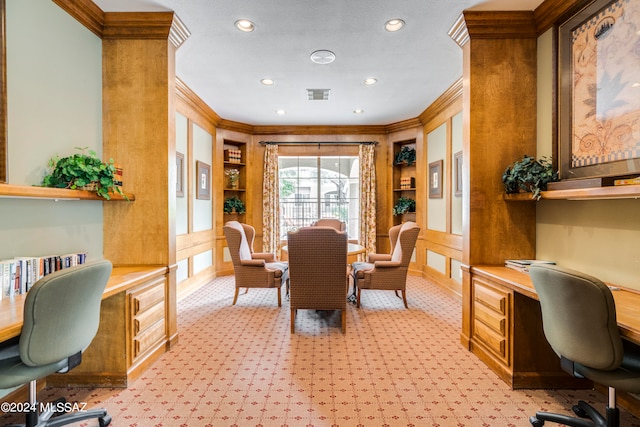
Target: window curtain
pixel 366 152
pixel 270 204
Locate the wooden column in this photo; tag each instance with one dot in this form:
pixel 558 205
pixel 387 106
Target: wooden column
pixel 499 113
pixel 139 134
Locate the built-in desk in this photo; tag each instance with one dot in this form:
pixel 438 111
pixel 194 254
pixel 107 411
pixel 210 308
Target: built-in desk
pixel 506 328
pixel 132 333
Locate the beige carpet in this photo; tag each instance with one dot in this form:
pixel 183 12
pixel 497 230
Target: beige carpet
pixel 240 366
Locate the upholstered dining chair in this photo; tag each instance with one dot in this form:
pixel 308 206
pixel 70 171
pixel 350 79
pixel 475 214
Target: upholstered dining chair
pixel 330 222
pixel 61 319
pixel 318 271
pixel 253 269
pixel 388 271
pixel 579 322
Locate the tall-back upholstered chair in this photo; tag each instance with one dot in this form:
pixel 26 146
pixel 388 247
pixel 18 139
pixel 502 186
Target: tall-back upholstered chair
pixel 330 222
pixel 388 272
pixel 579 321
pixel 61 318
pixel 318 271
pixel 253 269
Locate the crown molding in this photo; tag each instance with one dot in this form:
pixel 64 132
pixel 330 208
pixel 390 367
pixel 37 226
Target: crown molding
pixel 445 101
pixel 473 24
pixel 179 33
pixel 403 125
pixel 318 130
pixel 236 126
pixel 552 11
pixel 190 98
pixel 458 31
pixel 137 25
pixel 85 12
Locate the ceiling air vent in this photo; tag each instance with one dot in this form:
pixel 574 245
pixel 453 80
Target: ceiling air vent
pixel 318 94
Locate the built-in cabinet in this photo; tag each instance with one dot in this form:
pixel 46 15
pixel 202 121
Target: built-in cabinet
pixel 404 176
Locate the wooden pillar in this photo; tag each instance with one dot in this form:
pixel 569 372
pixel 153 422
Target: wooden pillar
pixel 139 134
pixel 499 114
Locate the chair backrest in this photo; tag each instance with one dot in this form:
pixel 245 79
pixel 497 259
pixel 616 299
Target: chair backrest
pixel 238 241
pixel 318 268
pixel 330 222
pixel 393 236
pixel 578 316
pixel 405 242
pixel 62 313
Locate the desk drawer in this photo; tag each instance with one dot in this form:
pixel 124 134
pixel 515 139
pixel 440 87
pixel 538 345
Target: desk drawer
pixel 490 296
pixel 148 296
pixel 495 342
pixel 148 339
pixel 490 318
pixel 148 318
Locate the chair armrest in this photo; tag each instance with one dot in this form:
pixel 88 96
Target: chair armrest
pixel 387 264
pixel 268 257
pixel 378 257
pixel 252 262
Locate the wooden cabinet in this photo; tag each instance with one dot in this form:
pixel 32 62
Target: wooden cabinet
pixel 404 176
pixel 147 317
pixel 506 331
pixel 235 154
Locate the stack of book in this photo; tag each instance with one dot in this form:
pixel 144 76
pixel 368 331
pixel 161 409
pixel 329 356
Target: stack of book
pixel 19 274
pixel 233 156
pixel 407 183
pixel 524 264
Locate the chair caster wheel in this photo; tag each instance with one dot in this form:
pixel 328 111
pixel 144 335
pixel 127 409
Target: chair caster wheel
pixel 579 411
pixel 536 422
pixel 104 421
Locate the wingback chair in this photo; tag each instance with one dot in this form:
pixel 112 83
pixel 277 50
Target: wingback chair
pixel 330 222
pixel 253 269
pixel 318 271
pixel 388 271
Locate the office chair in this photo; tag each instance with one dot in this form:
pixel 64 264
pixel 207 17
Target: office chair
pixel 61 318
pixel 579 322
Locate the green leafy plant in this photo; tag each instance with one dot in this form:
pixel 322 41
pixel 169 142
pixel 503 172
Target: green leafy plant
pixel 405 155
pixel 233 203
pixel 83 171
pixel 404 205
pixel 529 175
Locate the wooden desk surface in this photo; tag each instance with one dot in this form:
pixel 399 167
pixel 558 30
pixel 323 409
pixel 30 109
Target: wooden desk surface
pixel 122 278
pixel 627 300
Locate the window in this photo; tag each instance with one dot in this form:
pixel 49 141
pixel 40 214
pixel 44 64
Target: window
pixel 314 187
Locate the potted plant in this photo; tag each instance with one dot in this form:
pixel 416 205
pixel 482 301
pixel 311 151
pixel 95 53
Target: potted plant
pixel 83 172
pixel 404 205
pixel 406 155
pixel 233 204
pixel 529 175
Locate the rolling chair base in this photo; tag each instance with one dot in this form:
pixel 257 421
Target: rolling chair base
pixel 589 417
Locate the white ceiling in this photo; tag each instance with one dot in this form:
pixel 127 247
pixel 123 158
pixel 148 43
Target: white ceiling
pixel 223 66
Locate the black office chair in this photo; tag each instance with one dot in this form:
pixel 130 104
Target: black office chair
pixel 61 318
pixel 579 321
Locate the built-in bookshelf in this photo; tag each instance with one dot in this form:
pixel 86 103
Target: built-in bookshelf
pixel 404 175
pixel 235 155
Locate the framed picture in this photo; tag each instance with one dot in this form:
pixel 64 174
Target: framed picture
pixel 598 103
pixel 435 179
pixel 457 170
pixel 179 174
pixel 203 180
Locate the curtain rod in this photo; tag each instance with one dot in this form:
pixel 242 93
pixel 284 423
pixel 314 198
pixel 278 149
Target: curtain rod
pixel 318 143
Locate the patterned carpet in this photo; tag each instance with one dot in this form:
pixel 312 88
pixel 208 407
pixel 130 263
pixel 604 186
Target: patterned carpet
pixel 240 366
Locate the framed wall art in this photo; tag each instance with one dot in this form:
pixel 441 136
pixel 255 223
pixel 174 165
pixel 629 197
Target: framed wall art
pixel 203 180
pixel 435 179
pixel 179 174
pixel 599 93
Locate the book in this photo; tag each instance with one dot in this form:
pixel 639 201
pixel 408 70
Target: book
pixel 524 264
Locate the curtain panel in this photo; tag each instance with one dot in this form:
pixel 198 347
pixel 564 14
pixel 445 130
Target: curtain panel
pixel 270 201
pixel 366 153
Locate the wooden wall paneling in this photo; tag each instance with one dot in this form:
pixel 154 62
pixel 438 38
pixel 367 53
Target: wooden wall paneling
pixel 4 143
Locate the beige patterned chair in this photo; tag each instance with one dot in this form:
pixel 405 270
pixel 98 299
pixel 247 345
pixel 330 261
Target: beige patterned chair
pixel 388 271
pixel 330 222
pixel 253 269
pixel 318 271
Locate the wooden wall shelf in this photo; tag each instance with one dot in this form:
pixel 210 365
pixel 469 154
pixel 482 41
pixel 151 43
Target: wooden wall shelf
pixel 615 192
pixel 25 191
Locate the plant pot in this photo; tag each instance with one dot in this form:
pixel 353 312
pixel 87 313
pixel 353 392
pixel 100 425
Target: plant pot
pixel 409 216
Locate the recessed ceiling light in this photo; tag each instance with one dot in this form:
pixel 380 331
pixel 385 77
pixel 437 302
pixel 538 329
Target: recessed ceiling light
pixel 245 25
pixel 358 111
pixel 267 82
pixel 370 81
pixel 323 57
pixel 393 25
pixel 281 112
pixel 635 85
